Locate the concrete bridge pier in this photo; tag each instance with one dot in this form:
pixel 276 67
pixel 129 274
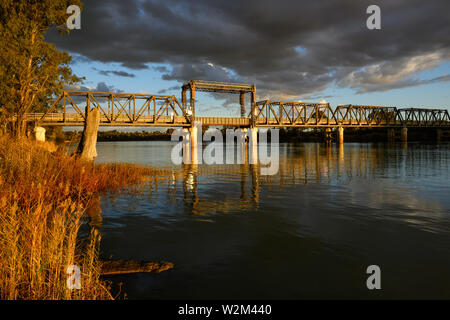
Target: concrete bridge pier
pixel 253 145
pixel 340 135
pixel 39 133
pixel 244 133
pixel 193 133
pixel 186 146
pixel 195 147
pixel 404 134
pixel 243 145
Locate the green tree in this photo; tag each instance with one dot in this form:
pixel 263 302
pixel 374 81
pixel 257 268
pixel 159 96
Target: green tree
pixel 32 70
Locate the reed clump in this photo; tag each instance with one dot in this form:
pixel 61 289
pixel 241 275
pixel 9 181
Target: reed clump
pixel 43 198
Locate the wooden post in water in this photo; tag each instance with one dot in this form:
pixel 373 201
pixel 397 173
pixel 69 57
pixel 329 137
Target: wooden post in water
pixel 87 148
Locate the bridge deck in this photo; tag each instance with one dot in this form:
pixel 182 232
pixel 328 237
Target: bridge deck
pixel 74 119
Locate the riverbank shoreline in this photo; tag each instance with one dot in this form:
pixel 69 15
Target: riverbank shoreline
pixel 44 196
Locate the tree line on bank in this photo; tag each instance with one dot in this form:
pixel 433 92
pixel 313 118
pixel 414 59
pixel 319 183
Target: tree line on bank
pixel 285 135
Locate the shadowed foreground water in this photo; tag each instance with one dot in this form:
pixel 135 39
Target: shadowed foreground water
pixel 308 232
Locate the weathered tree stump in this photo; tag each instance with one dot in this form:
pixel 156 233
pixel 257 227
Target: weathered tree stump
pixel 87 148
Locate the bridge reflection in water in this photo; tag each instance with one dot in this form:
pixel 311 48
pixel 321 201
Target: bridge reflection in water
pixel 233 233
pixel 308 163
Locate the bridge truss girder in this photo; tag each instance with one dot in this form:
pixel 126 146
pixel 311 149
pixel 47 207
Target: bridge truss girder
pixel 428 117
pixel 301 114
pixel 118 109
pixel 128 109
pixel 278 113
pixel 371 116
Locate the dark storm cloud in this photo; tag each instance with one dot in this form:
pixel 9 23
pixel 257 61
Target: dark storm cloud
pixel 100 87
pixel 287 48
pixel 168 90
pixel 134 65
pixel 404 83
pixel 114 72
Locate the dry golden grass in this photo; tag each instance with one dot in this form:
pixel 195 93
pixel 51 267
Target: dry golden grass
pixel 43 198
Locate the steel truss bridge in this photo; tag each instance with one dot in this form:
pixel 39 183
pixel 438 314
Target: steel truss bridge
pixel 129 109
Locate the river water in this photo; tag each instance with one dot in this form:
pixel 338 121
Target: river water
pixel 309 231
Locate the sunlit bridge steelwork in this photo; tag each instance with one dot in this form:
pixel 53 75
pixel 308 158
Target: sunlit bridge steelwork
pixel 286 114
pixel 424 117
pixel 130 109
pixel 116 109
pixel 370 116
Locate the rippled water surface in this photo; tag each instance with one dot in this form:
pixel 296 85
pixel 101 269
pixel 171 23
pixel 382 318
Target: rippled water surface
pixel 308 232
